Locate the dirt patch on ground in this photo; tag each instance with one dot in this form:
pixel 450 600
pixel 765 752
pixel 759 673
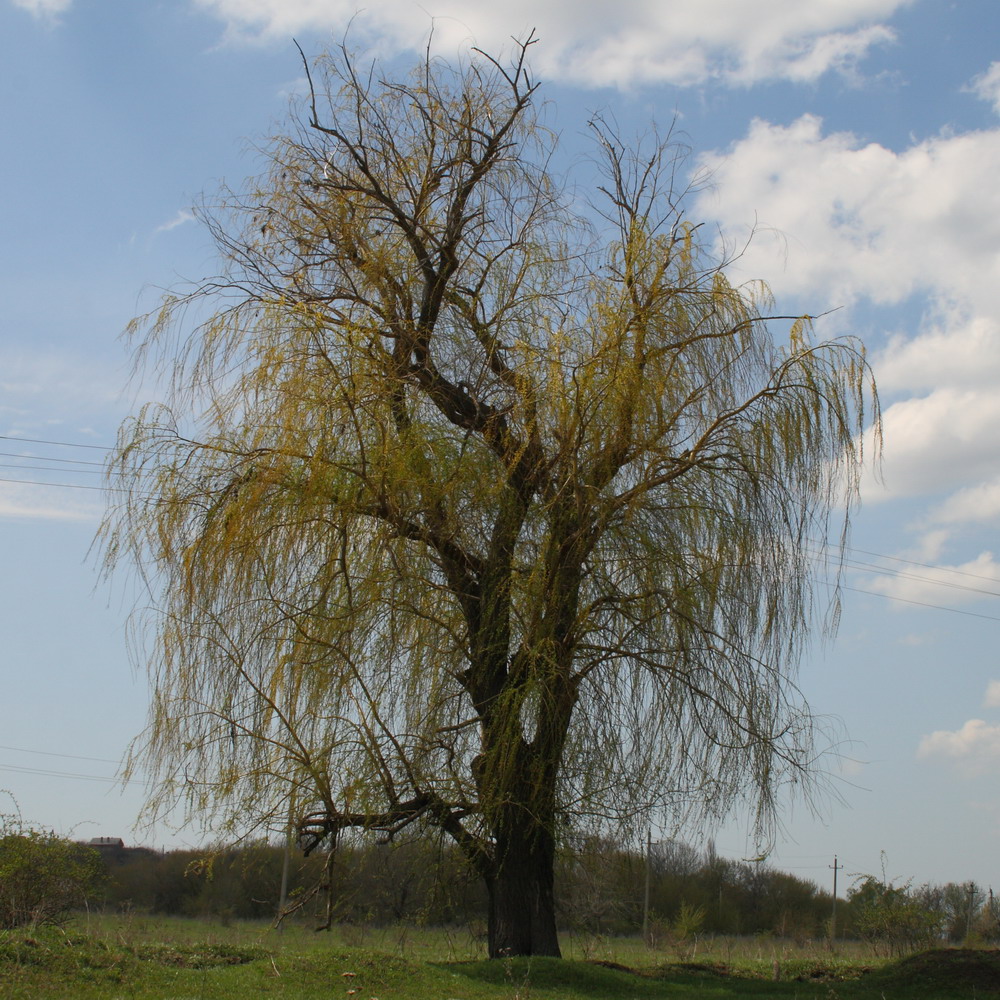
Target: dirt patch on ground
pixel 951 968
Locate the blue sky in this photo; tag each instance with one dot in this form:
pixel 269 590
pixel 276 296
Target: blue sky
pixel 858 139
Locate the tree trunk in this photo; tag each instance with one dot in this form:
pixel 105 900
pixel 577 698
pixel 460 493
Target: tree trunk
pixel 522 918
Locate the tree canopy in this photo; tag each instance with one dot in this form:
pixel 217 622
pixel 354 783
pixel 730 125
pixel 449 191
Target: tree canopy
pixel 481 498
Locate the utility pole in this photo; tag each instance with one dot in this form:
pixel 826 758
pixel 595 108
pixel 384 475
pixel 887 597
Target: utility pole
pixel 645 898
pixel 833 917
pixel 973 892
pixel 285 863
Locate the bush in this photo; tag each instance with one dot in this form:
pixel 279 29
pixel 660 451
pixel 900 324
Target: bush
pixel 42 876
pixel 891 918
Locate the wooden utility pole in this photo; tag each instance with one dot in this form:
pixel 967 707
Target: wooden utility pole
pixel 973 892
pixel 833 917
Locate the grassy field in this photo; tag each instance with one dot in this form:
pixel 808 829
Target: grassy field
pixel 141 959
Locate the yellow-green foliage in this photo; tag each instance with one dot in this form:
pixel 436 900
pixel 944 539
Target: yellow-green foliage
pixel 42 876
pixel 466 495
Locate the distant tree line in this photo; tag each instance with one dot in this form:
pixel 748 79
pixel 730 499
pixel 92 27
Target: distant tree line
pixel 603 892
pixel 674 892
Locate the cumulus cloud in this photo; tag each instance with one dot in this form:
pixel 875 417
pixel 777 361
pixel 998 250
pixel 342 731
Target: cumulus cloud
pixel 943 584
pixel 959 350
pixel 979 504
pixel 942 440
pixel 987 86
pixel 841 219
pixel 838 221
pixel 594 43
pixel 976 744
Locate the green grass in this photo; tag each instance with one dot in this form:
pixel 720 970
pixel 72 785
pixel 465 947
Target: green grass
pixel 142 959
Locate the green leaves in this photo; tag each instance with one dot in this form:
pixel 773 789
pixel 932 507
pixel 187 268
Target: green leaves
pixel 43 876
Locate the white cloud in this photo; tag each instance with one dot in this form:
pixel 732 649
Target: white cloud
pixel 977 743
pixel 851 768
pixel 45 503
pixel 44 8
pixel 940 441
pixel 987 86
pixel 840 221
pixel 953 349
pixel 992 699
pixel 595 43
pixel 979 504
pixel 183 215
pixel 942 585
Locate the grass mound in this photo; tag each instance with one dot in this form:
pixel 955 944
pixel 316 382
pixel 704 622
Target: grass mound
pixel 54 949
pixel 965 969
pixel 206 956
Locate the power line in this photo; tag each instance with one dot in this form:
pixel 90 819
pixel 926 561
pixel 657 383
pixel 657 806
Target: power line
pixel 51 458
pixel 68 756
pixel 854 564
pixel 61 774
pixel 62 486
pixel 932 581
pixel 858 565
pixel 898 574
pixel 50 468
pixel 923 565
pixel 61 444
pixel 820 545
pixel 924 604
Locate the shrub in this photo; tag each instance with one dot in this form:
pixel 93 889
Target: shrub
pixel 42 876
pixel 892 918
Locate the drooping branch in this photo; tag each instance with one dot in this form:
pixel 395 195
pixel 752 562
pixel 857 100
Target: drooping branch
pixel 471 513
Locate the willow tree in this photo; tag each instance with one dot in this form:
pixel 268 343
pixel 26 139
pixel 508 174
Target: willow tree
pixel 479 502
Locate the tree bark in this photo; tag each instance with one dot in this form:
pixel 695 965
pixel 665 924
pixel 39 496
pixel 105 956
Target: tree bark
pixel 522 918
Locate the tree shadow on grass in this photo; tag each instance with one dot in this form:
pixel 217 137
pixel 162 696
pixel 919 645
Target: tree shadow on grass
pixel 552 977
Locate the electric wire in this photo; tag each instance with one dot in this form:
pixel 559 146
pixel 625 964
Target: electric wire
pixel 871 567
pixel 46 458
pixel 923 565
pixel 925 604
pixel 849 563
pixel 61 444
pixel 52 458
pixel 68 756
pixel 54 773
pixel 49 468
pixel 62 486
pixel 16 769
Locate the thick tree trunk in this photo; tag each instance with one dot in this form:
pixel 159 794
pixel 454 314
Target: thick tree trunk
pixel 522 918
